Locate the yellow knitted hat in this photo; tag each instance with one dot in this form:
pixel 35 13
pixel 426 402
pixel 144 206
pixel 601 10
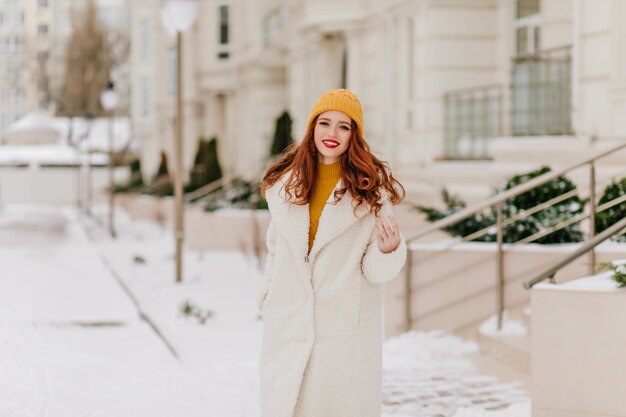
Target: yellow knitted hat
pixel 342 100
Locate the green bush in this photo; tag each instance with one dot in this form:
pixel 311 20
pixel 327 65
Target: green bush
pixel 520 229
pixel 161 184
pixel 612 215
pixel 239 194
pixel 282 134
pixel 135 181
pixel 206 167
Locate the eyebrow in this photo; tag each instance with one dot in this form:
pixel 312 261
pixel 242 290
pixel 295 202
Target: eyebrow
pixel 328 120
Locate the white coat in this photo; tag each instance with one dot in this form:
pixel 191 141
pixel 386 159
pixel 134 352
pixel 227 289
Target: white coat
pixel 322 312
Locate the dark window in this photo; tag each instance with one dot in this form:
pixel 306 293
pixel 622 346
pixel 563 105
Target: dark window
pixel 527 8
pixel 223 25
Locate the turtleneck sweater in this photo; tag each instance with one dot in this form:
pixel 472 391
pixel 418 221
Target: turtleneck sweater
pixel 327 177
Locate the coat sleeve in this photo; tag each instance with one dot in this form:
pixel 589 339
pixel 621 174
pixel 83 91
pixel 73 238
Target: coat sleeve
pixel 264 286
pixel 377 266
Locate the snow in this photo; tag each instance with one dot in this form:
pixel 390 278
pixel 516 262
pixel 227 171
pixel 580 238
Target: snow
pixel 595 283
pixel 56 154
pixel 92 136
pixel 509 326
pixel 87 322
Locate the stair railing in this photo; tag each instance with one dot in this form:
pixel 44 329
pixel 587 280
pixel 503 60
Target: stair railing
pixel 498 201
pixel 588 246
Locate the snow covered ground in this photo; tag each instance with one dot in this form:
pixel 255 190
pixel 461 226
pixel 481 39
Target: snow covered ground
pixel 94 326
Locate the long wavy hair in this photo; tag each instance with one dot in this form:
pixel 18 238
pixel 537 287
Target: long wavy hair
pixel 362 173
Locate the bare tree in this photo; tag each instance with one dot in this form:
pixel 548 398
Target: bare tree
pixel 91 55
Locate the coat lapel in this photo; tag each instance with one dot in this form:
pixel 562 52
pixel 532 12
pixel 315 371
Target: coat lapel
pixel 336 218
pixel 293 220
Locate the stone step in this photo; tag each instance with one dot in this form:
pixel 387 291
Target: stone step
pixel 512 351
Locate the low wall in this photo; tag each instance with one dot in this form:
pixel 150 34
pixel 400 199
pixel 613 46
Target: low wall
pixel 51 185
pixel 454 288
pixel 579 336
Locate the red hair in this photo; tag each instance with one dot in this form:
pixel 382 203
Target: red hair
pixel 362 173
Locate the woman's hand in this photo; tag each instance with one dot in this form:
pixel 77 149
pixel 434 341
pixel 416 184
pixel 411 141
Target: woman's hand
pixel 388 233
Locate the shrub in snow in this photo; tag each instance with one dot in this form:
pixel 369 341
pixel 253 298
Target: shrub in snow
pixel 239 193
pixel 191 310
pixel 135 181
pixel 619 271
pixel 513 232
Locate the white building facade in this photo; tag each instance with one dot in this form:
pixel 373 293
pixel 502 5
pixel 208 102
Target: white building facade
pixel 438 79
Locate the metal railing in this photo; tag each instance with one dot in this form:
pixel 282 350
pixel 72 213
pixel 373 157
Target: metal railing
pixel 498 201
pixel 588 246
pixel 472 117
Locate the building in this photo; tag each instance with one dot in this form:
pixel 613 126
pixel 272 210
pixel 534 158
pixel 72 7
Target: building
pixel 444 84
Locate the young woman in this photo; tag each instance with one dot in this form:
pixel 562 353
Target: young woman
pixel 332 242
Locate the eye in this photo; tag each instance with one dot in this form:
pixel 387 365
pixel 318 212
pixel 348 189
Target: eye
pixel 344 127
pixel 323 123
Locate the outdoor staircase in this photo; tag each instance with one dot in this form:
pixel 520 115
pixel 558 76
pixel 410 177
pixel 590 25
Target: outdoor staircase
pixel 456 291
pixel 475 180
pixel 512 350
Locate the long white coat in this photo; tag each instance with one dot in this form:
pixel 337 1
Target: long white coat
pixel 322 312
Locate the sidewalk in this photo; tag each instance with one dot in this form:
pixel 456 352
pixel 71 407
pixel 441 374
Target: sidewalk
pixel 71 342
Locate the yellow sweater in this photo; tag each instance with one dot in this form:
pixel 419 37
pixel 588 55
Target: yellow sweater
pixel 327 177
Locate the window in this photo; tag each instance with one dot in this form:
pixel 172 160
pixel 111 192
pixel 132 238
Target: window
pixel 527 8
pixel 527 27
pixel 145 97
pixel 11 45
pixel 11 19
pixel 13 97
pixel 223 25
pixel 42 57
pixel 145 38
pixel 173 66
pixel 273 25
pixel 42 30
pixel 409 74
pixel 222 48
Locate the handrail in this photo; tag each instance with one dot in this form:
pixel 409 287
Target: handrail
pixel 498 201
pixel 207 189
pixel 584 248
pixel 501 197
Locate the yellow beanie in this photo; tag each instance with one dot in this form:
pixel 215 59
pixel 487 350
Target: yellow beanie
pixel 342 100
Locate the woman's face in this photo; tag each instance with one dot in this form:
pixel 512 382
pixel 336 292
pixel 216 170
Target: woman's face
pixel 332 134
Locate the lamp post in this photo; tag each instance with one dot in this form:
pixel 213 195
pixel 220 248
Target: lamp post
pixel 108 99
pixel 177 17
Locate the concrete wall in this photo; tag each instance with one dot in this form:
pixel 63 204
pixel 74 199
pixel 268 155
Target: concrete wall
pixel 455 288
pixel 578 342
pixel 51 185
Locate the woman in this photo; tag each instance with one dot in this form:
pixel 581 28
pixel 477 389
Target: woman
pixel 332 242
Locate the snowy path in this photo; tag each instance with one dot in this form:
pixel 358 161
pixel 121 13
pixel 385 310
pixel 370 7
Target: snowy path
pixel 72 343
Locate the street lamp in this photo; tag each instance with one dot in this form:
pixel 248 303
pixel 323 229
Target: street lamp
pixel 177 17
pixel 109 99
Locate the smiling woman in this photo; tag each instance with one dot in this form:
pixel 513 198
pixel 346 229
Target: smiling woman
pixel 332 242
pixel 332 135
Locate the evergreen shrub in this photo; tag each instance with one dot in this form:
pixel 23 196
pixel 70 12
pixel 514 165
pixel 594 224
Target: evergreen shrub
pixel 520 229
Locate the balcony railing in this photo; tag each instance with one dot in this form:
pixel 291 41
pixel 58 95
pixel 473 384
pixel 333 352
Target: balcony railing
pixel 541 93
pixel 472 117
pixel 540 102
